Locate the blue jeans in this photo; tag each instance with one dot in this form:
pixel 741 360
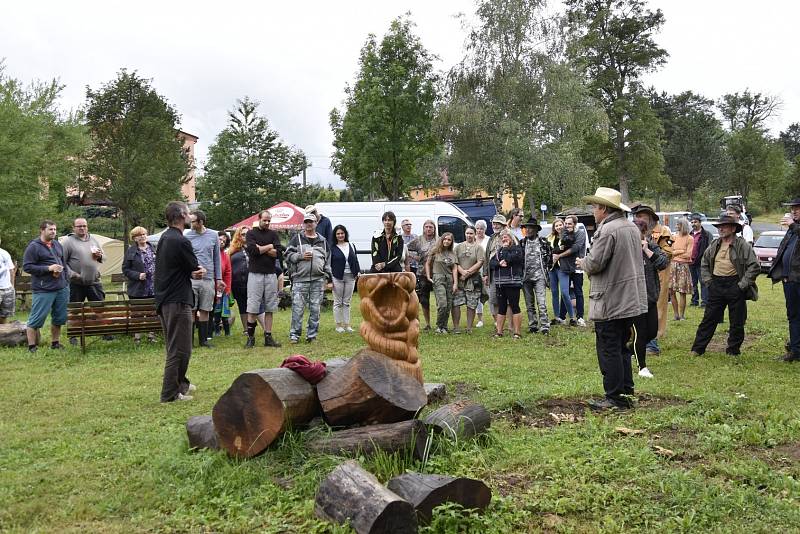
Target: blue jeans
pixel 306 293
pixel 555 294
pixel 563 282
pixel 791 291
pixel 702 295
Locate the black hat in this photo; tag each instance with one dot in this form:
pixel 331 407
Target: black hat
pixel 695 217
pixel 795 202
pixel 727 219
pixel 639 208
pixel 533 222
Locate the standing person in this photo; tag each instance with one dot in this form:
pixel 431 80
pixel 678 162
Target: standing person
pixel 418 250
pixel 239 275
pixel 7 278
pixel 507 264
pixel 729 269
pixel 515 218
pixel 499 224
pixel 573 243
pixel 176 267
pixel 617 293
pixel 205 243
pixel 44 261
pixel 324 226
pixel 701 238
pixel 538 259
pixel 735 211
pixel 263 247
pixel 408 236
pixel 83 254
pixel 222 309
pixel 469 260
pixel 554 240
pixel 139 268
pixel 308 256
pixel 483 240
pixel 387 247
pixel 680 281
pixel 344 269
pixel 786 269
pixel 442 267
pixel 645 326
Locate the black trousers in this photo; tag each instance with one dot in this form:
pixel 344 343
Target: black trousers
pixel 614 357
pixel 645 328
pixel 92 293
pixel 723 292
pixel 177 320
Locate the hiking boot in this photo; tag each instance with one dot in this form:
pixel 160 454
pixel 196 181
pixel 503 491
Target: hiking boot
pixel 791 357
pixel 533 329
pixel 269 341
pixel 250 343
pixel 293 340
pixel 310 339
pixel 545 331
pixel 606 404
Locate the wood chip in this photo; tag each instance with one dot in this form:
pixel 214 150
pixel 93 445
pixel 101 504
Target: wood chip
pixel 661 451
pixel 628 431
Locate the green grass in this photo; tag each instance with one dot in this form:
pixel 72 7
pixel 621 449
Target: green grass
pixel 86 446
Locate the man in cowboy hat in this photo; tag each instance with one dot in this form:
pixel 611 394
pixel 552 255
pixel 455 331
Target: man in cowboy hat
pixel 617 293
pixel 538 262
pixel 786 269
pixel 729 269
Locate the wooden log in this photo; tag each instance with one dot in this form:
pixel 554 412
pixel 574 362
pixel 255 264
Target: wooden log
pixel 392 437
pixel 460 420
pixel 200 429
pixel 435 392
pixel 259 406
pixel 426 492
pixel 13 334
pixel 352 494
pixel 370 389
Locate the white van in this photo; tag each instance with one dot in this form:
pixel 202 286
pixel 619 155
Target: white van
pixel 363 220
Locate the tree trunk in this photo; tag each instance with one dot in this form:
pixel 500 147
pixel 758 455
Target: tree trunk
pixel 393 437
pixel 352 494
pixel 460 420
pixel 13 334
pixel 370 388
pixel 202 435
pixel 426 492
pixel 658 201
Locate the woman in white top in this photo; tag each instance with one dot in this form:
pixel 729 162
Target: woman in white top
pixel 345 270
pixel 483 240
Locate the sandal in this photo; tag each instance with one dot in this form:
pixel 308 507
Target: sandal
pixel 497 334
pixel 517 336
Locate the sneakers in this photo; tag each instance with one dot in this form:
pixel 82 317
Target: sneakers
pixel 533 329
pixel 250 343
pixel 441 330
pixel 311 339
pixel 573 322
pixel 340 330
pixel 645 373
pixel 192 387
pixel 581 322
pixel 545 331
pixel 182 397
pixel 293 340
pixel 269 341
pixel 556 321
pixel 479 325
pixel 349 329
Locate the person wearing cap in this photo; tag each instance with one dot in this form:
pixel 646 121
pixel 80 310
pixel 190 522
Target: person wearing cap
pixel 701 238
pixel 535 277
pixel 308 256
pixel 617 293
pixel 729 269
pixel 735 211
pixel 499 223
pixel 786 269
pixel 324 226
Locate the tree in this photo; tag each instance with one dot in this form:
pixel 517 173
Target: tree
pixel 249 168
pixel 515 114
pixel 758 165
pixel 790 138
pixel 613 44
pixel 136 161
pixel 384 131
pixel 39 149
pixel 748 110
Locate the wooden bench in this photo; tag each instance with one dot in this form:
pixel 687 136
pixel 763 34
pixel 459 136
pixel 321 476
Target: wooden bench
pixel 119 278
pixel 111 317
pixel 22 287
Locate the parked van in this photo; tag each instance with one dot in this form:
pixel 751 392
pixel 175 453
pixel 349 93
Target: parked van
pixel 363 220
pixel 479 208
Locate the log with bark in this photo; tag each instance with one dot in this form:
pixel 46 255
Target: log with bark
pixel 13 334
pixel 352 494
pixel 393 437
pixel 200 429
pixel 426 492
pixel 370 389
pixel 460 420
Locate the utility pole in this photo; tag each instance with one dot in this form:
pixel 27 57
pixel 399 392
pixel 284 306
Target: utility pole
pixel 305 166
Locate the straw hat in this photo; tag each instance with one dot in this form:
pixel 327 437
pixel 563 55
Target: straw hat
pixel 606 196
pixel 500 219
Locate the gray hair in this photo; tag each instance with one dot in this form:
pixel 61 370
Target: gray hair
pixel 480 223
pixel 683 226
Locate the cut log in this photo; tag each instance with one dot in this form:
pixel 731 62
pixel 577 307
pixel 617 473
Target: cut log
pixel 259 406
pixel 13 334
pixel 393 437
pixel 426 492
pixel 352 494
pixel 460 420
pixel 370 389
pixel 202 435
pixel 435 392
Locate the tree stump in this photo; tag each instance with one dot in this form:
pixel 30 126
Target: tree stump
pixel 435 392
pixel 351 493
pixel 393 437
pixel 202 435
pixel 462 419
pixel 259 406
pixel 370 389
pixel 13 334
pixel 426 492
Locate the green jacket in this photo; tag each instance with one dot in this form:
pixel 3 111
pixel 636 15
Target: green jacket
pixel 743 259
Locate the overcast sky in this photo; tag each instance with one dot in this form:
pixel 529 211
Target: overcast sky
pixel 296 57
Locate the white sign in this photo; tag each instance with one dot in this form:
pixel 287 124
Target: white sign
pixel 543 207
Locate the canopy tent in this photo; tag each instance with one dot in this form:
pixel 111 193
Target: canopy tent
pixel 113 254
pixel 285 216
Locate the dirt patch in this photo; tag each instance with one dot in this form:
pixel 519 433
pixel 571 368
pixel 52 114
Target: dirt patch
pixel 681 441
pixel 509 483
pixel 720 340
pixel 786 455
pixel 460 390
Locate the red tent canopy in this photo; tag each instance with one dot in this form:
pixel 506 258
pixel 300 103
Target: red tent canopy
pixel 285 216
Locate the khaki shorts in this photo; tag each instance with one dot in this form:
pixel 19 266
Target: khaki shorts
pixel 262 289
pixel 7 302
pixel 471 298
pixel 204 294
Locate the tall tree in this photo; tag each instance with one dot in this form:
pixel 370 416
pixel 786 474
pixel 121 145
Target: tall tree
pixel 39 149
pixel 384 132
pixel 748 110
pixel 613 43
pixel 758 165
pixel 515 114
pixel 790 138
pixel 249 168
pixel 136 161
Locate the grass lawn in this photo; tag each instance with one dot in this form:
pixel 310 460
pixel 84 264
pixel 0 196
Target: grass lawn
pixel 85 446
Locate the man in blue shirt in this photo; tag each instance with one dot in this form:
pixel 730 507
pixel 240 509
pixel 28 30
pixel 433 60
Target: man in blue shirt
pixel 786 269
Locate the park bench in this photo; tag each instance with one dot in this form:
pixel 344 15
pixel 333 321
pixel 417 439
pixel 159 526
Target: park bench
pixel 111 317
pixel 119 278
pixel 22 287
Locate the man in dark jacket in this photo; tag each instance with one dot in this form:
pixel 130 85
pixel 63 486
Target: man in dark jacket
pixel 263 247
pixel 538 262
pixel 729 269
pixel 701 239
pixel 786 269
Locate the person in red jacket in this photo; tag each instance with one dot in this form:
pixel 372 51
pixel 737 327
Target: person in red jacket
pixel 222 309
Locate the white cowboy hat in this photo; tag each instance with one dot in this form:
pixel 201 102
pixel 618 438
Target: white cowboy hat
pixel 607 197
